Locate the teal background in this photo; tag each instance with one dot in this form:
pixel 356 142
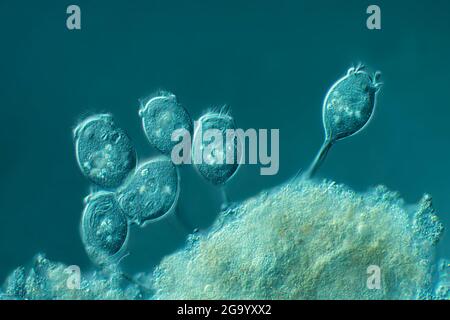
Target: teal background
pixel 270 61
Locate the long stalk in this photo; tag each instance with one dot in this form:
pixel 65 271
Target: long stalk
pixel 320 157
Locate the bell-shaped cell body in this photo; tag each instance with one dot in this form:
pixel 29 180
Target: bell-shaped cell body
pixel 349 104
pixel 215 149
pixel 161 117
pixel 151 192
pixel 104 152
pixel 104 227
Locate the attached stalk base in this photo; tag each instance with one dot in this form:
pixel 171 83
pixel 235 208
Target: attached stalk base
pixel 320 157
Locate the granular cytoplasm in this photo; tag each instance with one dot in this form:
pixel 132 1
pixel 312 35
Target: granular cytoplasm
pixel 104 152
pixel 151 192
pixel 347 108
pixel 104 227
pixel 214 157
pixel 161 116
pixel 349 103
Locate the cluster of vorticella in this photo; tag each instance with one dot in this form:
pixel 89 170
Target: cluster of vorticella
pixel 131 192
pixel 135 192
